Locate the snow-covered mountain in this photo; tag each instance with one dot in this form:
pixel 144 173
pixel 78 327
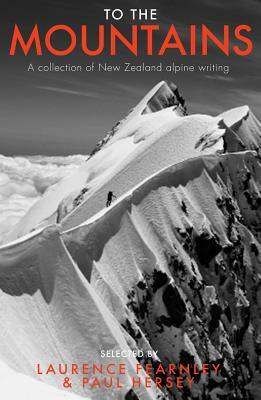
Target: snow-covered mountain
pixel 173 265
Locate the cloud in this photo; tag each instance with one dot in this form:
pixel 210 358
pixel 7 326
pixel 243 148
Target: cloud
pixel 119 88
pixel 109 89
pixel 23 180
pixel 91 95
pixel 223 78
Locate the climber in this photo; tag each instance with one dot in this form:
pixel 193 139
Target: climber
pixel 109 198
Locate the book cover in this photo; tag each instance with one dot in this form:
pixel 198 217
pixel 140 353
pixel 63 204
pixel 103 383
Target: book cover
pixel 130 198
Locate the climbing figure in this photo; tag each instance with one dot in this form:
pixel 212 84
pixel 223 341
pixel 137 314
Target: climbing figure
pixel 109 198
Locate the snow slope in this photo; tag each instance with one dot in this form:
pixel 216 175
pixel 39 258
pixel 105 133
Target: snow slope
pixel 173 265
pixel 19 386
pixel 143 143
pixel 51 314
pixel 181 252
pixel 113 158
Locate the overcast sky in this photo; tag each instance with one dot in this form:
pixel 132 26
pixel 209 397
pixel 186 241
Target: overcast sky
pixel 67 113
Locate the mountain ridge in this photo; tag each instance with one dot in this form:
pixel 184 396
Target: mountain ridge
pixel 173 265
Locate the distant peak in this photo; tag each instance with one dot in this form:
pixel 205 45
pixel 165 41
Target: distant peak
pixel 163 95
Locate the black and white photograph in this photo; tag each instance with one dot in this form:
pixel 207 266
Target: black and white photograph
pixel 130 200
